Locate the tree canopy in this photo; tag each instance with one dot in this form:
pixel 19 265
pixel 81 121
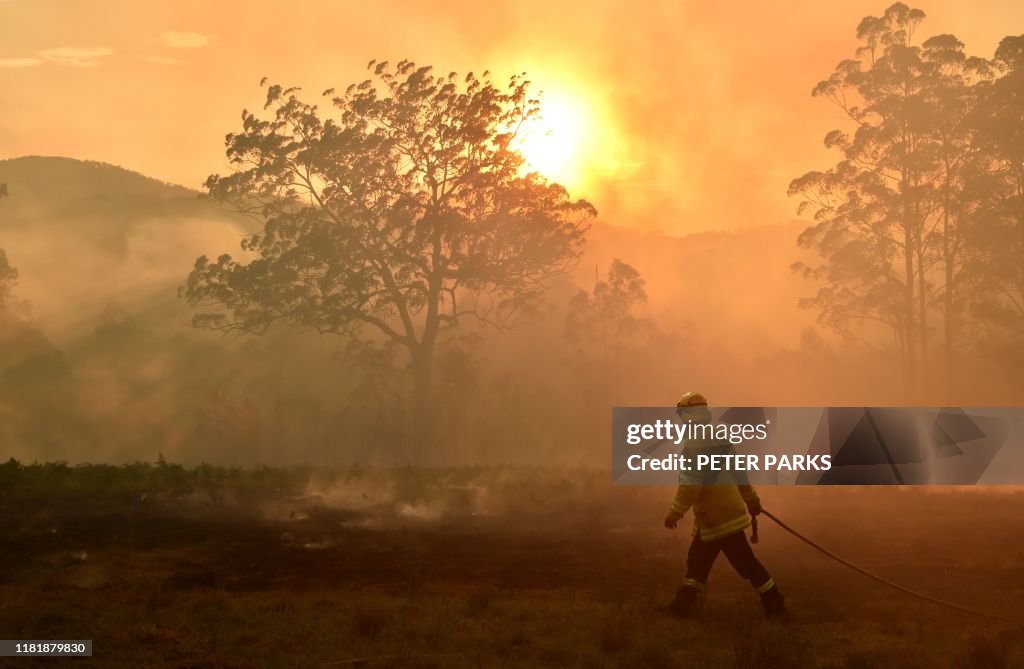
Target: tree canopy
pixel 403 209
pixel 908 221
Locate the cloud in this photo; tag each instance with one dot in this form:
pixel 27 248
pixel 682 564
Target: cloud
pixel 163 60
pixel 184 40
pixel 64 55
pixel 19 62
pixel 76 56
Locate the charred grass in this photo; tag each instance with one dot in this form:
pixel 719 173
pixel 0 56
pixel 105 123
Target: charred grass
pixel 516 568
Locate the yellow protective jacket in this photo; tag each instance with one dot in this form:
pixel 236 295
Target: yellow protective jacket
pixel 719 509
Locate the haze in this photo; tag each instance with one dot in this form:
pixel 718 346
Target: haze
pixel 683 124
pixel 690 104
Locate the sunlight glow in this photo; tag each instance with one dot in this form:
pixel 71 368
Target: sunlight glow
pixel 554 143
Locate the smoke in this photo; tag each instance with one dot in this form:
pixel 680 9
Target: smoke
pixel 700 115
pixel 704 107
pixel 69 280
pixel 136 380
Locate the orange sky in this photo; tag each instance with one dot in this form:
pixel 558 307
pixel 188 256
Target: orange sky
pixel 702 108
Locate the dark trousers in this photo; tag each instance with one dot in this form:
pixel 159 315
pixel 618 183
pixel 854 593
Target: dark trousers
pixel 702 554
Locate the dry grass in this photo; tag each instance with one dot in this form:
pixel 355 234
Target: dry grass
pixel 560 578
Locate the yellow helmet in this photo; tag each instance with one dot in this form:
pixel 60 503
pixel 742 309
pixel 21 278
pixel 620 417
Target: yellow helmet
pixel 692 399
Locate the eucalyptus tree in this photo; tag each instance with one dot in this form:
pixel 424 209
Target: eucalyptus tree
pixel 403 208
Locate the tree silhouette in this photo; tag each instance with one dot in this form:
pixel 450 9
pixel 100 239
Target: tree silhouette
pixel 8 278
pixel 999 123
pixel 892 217
pixel 999 238
pixel 604 320
pixel 8 274
pixel 404 211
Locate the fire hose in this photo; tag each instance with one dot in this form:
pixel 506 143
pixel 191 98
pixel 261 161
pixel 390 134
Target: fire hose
pixel 879 579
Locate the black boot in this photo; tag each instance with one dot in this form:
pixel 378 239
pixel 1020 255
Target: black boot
pixel 774 604
pixel 688 602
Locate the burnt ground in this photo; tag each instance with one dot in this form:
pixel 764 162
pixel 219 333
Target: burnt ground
pixel 298 581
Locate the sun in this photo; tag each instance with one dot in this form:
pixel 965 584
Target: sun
pixel 554 143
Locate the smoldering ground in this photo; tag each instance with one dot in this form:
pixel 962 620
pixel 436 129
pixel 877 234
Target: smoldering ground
pixel 520 567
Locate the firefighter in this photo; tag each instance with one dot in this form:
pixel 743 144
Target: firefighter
pixel 722 511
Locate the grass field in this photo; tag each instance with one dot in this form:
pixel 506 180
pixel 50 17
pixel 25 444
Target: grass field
pixel 164 566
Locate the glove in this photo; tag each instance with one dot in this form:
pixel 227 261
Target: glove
pixel 754 506
pixel 671 519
